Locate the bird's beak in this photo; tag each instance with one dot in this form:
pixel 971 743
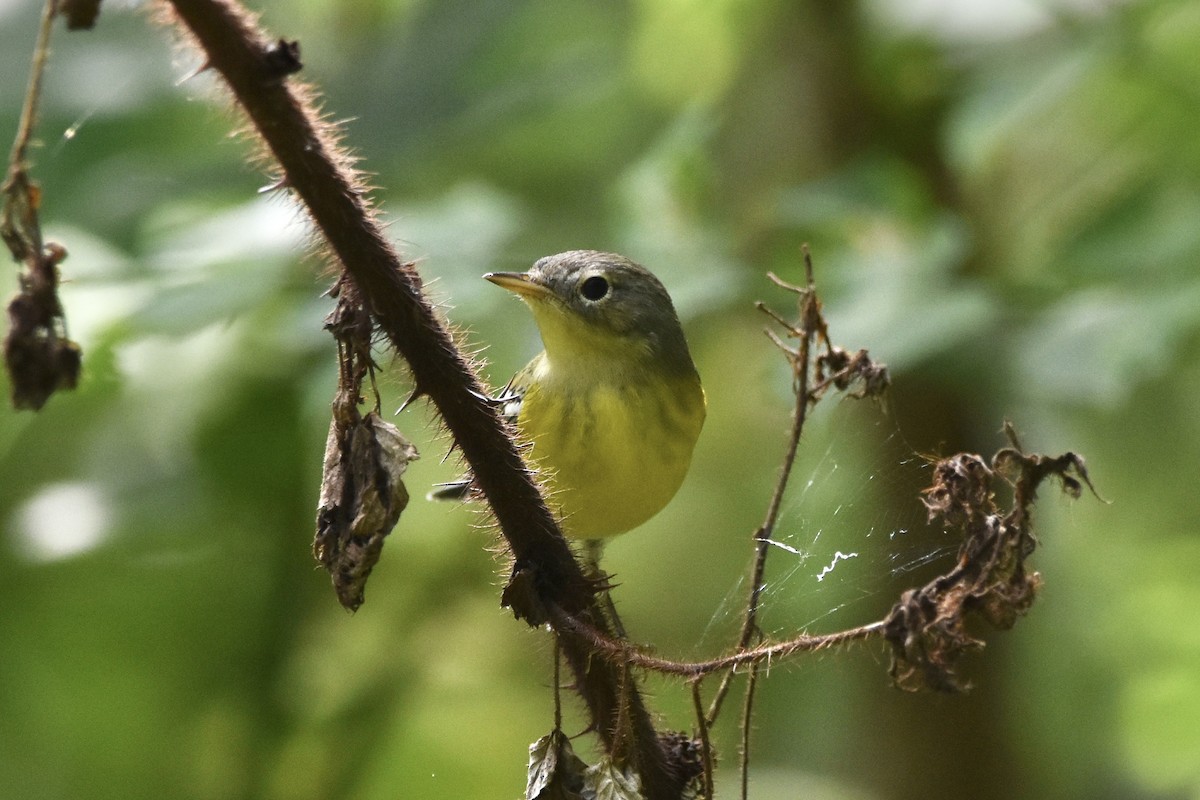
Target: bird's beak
pixel 519 283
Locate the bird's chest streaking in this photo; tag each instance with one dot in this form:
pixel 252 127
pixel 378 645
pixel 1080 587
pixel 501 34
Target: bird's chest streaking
pixel 612 445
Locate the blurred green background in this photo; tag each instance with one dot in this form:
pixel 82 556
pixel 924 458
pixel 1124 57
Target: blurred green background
pixel 1003 202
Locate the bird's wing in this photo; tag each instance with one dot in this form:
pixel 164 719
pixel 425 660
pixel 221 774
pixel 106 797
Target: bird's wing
pixel 508 401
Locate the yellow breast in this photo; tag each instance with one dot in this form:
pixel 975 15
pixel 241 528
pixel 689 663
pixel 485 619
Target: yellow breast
pixel 612 449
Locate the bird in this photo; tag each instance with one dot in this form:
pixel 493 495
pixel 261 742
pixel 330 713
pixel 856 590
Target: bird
pixel 612 407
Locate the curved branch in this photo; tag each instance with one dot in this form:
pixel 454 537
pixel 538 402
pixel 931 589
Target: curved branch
pixel 544 571
pixel 623 652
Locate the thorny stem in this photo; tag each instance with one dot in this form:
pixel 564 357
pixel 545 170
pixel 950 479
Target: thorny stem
pixel 747 714
pixel 557 685
pixel 622 652
pixel 705 744
pixel 323 176
pixel 800 367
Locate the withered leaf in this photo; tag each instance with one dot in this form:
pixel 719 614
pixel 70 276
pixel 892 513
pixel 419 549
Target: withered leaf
pixel 555 772
pixel 362 496
pixel 927 628
pixel 605 781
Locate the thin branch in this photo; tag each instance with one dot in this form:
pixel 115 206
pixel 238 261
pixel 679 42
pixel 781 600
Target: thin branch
pixel 620 651
pixel 800 369
pixel 557 685
pixel 747 716
pixel 33 92
pixel 705 744
pixel 38 354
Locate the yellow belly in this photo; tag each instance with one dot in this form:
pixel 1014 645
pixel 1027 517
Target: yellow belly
pixel 614 454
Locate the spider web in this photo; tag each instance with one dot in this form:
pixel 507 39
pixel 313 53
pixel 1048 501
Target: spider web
pixel 851 534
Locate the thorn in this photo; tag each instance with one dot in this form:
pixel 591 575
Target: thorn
pixel 281 183
pixel 460 490
pixel 204 67
pixel 591 728
pixel 416 392
pixel 450 451
pixel 335 289
pixel 493 402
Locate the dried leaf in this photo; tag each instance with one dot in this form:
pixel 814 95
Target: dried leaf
pixel 522 596
pixel 555 772
pixel 927 628
pixel 362 496
pixel 687 754
pixel 40 359
pixel 605 781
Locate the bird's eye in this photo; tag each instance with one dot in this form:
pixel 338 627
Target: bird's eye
pixel 594 288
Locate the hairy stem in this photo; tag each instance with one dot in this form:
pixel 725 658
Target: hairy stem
pixel 705 745
pixel 801 367
pixel 604 646
pixel 323 177
pixel 747 715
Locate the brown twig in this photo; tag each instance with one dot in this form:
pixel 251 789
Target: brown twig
pixel 812 327
pixel 323 177
pixel 811 377
pixel 33 92
pixel 763 534
pixel 621 651
pixel 705 745
pixel 747 715
pixel 39 356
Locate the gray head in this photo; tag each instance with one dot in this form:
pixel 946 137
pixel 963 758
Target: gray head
pixel 602 301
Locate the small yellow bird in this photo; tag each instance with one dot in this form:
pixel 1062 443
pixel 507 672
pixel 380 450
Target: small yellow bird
pixel 613 406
